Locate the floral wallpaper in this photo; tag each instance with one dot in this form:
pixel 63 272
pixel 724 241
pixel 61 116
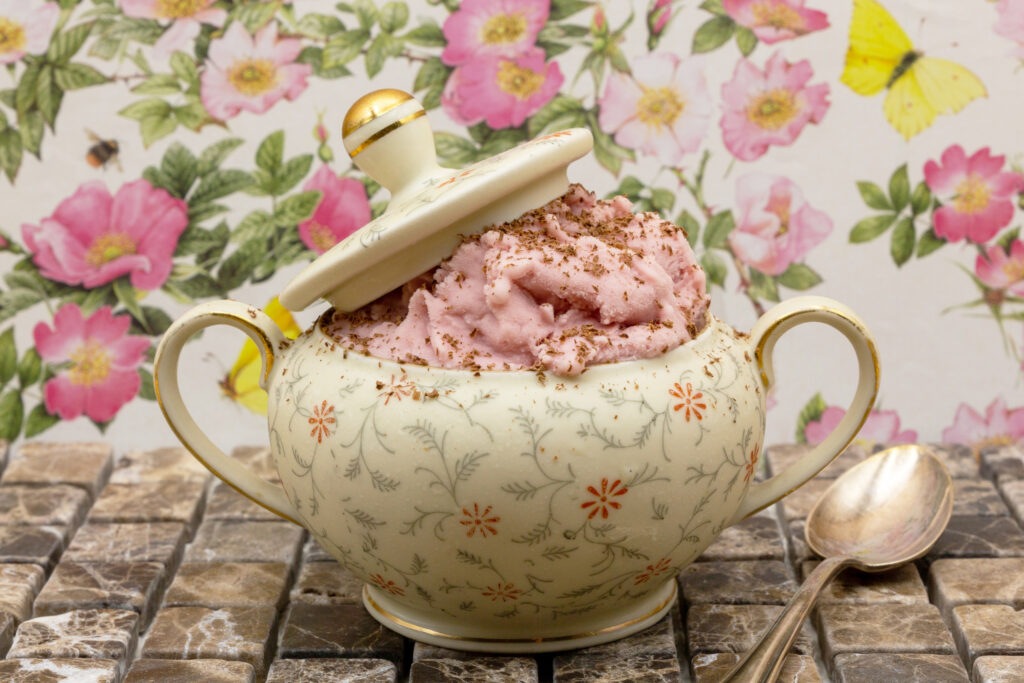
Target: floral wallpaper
pixel 157 153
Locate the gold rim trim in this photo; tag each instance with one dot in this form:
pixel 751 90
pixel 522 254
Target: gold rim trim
pixel 370 106
pixel 385 130
pixel 575 636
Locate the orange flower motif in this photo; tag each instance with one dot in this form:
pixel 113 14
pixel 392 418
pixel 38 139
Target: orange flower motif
pixel 322 419
pixel 753 462
pixel 388 586
pixel 479 521
pixel 549 136
pixel 690 401
pixel 653 570
pixel 394 390
pixel 603 498
pixel 504 591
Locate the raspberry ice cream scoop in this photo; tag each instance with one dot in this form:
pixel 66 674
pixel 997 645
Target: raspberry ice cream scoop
pixel 577 282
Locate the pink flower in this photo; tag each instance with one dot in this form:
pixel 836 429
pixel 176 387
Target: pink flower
pixel 24 30
pixel 504 92
pixel 999 427
pixel 977 196
pixel 251 72
pixel 93 238
pixel 769 107
pixel 1001 269
pixel 102 375
pixel 658 16
pixel 662 109
pixel 492 28
pixel 342 210
pixel 775 20
pixel 185 17
pixel 1011 22
pixel 882 426
pixel 775 227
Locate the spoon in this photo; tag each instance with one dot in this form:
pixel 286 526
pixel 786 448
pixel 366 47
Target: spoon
pixel 883 512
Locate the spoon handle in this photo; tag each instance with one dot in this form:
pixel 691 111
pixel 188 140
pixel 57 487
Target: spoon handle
pixel 763 662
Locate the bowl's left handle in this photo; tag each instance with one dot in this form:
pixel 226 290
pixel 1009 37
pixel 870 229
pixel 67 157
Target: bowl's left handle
pixel 268 339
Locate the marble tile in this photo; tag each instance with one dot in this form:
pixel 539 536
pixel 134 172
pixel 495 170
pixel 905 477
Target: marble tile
pixel 977 497
pixel 959 459
pixel 312 551
pixel 998 669
pixel 713 629
pixel 258 460
pixel 483 669
pixel 799 551
pixel 327 583
pixel 979 537
pixel 59 670
pixel 226 503
pixel 713 668
pixel 332 671
pixel 1013 494
pixel 31 544
pixel 138 542
pixel 233 541
pixel 39 463
pixel 190 671
pixel 657 639
pixel 756 538
pixel 861 668
pixel 61 504
pixel 901 585
pixel 163 501
pixel 988 630
pixel 88 634
pixel 337 631
pixel 233 633
pixel 229 584
pixel 781 456
pixel 19 584
pixel 1002 462
pixel 7 627
pixel 161 464
pixel 955 582
pixel 759 582
pixel 102 585
pixel 798 504
pixel 882 628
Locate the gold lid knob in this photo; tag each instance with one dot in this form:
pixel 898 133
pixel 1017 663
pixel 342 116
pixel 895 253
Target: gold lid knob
pixel 370 106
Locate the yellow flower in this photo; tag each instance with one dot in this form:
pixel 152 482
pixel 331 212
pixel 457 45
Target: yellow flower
pixel 242 382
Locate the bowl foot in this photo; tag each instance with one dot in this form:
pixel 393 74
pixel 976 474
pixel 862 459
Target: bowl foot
pixel 631 619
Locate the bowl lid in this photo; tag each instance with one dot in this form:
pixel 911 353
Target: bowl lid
pixel 388 137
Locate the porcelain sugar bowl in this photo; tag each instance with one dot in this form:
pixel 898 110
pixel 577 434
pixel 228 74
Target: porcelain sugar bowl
pixel 502 511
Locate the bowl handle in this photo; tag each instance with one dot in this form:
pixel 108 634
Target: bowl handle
pixel 268 338
pixel 766 332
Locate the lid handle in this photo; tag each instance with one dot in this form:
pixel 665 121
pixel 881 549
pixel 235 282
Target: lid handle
pixel 388 137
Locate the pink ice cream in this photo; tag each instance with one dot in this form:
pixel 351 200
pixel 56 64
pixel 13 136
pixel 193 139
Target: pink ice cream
pixel 578 282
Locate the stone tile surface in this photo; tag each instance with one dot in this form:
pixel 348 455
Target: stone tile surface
pixel 798 504
pixel 713 629
pixel 136 542
pixel 781 456
pixel 756 538
pixel 326 583
pixel 32 544
pixel 19 584
pixel 163 501
pixel 59 670
pixel 38 463
pixel 988 630
pixel 1002 462
pixel 332 671
pixel 61 504
pixel 226 503
pixel 102 585
pixel 7 626
pixel 229 584
pixel 233 633
pixel 312 551
pixel 482 669
pixel 977 497
pixel 657 639
pixel 257 460
pixel 958 459
pixel 900 585
pixel 761 582
pixel 337 631
pixel 160 464
pixel 885 628
pixel 998 669
pixel 954 582
pixel 860 668
pixel 713 668
pixel 1013 493
pixel 976 536
pixel 190 671
pixel 240 541
pixel 90 634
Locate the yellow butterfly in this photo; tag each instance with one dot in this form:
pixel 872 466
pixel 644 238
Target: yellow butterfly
pixel 242 382
pixel 882 56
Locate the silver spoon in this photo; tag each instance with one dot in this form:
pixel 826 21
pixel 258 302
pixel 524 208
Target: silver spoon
pixel 883 512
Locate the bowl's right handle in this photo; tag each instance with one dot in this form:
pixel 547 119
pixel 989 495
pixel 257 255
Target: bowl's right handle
pixel 766 332
pixel 268 338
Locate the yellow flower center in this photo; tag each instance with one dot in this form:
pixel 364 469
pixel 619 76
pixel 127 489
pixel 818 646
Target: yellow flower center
pixel 1014 270
pixel 971 194
pixel 518 81
pixel 12 36
pixel 503 28
pixel 322 236
pixel 996 440
pixel 253 76
pixel 777 16
pixel 178 9
pixel 108 247
pixel 91 363
pixel 660 107
pixel 772 110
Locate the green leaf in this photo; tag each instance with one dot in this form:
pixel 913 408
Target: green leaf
pixel 903 238
pixel 238 267
pixel 872 227
pixel 929 242
pixel 426 35
pixel 184 67
pixel 500 140
pixel 180 169
pixel 920 199
pixel 159 84
pixel 293 171
pixel 1007 239
pixel 432 74
pixel 560 113
pixel 713 34
pixel 560 9
pixel 320 25
pixel 811 412
pixel 25 94
pixel 716 233
pixel 255 15
pixel 196 240
pixel 344 47
pixel 31 128
pixel 257 225
pixel 146 31
pixel 663 200
pixel 746 41
pixel 39 421
pixel 873 196
pixel 128 297
pixel 607 152
pixel 150 107
pixel 688 223
pixel 271 152
pixel 799 277
pixel 8 356
pixel 48 96
pixel 297 208
pixel 366 13
pixel 899 188
pixel 394 16
pixel 715 7
pixel 631 187
pixel 12 412
pixel 65 45
pixel 762 286
pixel 714 267
pixel 214 155
pixel 380 49
pixel 75 76
pixel 220 183
pixel 30 369
pixel 192 115
pixel 154 128
pixel 154 322
pixel 10 152
pixel 454 151
pixel 147 390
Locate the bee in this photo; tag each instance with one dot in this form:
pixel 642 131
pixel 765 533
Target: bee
pixel 102 152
